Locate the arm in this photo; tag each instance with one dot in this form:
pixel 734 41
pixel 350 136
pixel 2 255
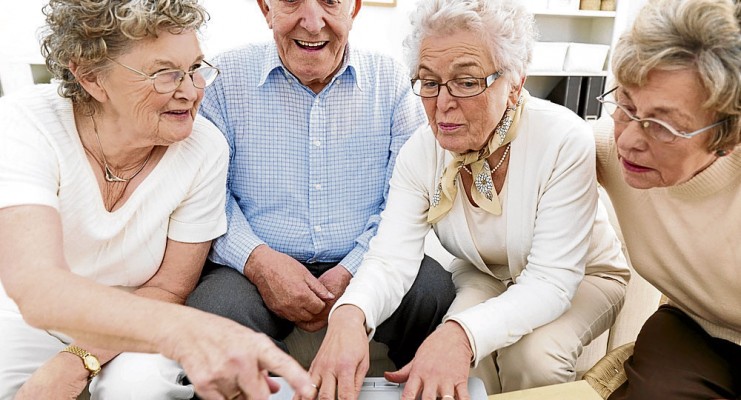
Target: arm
pixel 211 349
pixel 387 273
pixel 174 280
pixel 287 287
pixel 553 264
pixel 408 115
pixel 234 248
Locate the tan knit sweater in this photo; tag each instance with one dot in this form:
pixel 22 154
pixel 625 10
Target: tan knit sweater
pixel 684 239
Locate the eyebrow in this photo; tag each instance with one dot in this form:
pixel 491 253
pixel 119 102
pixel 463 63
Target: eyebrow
pixel 454 66
pixel 169 64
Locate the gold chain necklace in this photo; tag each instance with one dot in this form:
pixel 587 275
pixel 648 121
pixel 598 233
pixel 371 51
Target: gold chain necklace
pixel 108 173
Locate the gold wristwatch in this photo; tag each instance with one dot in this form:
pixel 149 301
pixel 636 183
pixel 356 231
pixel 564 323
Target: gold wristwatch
pixel 89 361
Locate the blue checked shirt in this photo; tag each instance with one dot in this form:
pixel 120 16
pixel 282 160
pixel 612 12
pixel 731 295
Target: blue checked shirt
pixel 309 172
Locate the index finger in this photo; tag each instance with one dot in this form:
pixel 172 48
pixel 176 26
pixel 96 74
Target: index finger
pixel 280 363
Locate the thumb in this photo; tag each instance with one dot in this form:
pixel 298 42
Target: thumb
pixel 399 376
pixel 319 289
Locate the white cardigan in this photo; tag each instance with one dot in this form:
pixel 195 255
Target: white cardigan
pixel 553 237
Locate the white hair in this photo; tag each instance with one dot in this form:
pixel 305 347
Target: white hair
pixel 508 29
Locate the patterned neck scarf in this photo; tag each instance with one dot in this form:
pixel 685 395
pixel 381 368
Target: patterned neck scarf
pixel 483 192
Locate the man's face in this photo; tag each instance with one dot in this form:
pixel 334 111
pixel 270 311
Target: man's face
pixel 311 36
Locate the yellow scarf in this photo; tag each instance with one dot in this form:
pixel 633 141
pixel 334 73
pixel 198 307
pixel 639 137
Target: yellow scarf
pixel 484 194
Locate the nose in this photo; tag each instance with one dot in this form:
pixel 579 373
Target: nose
pixel 630 136
pixel 312 16
pixel 187 89
pixel 444 99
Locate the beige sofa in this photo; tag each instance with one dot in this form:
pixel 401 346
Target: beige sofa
pixel 640 302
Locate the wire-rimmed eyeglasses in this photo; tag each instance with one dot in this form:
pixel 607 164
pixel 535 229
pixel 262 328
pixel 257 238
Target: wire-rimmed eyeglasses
pixel 654 127
pixel 169 80
pixel 459 87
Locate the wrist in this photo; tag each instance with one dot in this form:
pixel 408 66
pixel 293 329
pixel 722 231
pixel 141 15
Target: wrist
pixel 253 262
pixel 349 315
pixel 80 368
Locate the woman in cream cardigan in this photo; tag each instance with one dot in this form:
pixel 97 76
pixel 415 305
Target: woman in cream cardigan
pixel 671 164
pixel 507 181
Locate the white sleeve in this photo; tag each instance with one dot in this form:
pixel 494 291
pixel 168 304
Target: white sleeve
pixel 392 262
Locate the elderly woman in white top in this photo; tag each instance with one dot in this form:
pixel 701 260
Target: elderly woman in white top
pixel 110 178
pixel 507 181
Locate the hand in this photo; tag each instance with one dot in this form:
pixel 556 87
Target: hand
pixel 335 280
pixel 448 346
pixel 285 285
pixel 342 360
pixel 62 377
pixel 223 358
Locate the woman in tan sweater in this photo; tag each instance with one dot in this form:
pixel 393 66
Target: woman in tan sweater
pixel 669 166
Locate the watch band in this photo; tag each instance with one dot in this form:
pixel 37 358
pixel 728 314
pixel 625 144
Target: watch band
pixel 89 361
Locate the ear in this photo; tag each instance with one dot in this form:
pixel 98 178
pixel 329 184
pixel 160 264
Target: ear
pixel 263 7
pixel 90 82
pixel 515 91
pixel 355 12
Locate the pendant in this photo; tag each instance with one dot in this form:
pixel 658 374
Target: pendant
pixel 483 182
pixel 435 201
pixel 110 177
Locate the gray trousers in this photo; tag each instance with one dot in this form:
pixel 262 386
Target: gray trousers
pixel 226 292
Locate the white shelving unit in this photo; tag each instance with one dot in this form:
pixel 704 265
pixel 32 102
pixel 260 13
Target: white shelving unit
pixel 575 26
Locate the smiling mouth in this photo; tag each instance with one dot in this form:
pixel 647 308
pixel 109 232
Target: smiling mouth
pixel 311 45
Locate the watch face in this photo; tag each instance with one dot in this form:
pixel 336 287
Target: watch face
pixel 91 363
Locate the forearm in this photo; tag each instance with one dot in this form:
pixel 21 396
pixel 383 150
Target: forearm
pixel 121 321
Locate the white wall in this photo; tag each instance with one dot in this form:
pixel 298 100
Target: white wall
pixel 233 23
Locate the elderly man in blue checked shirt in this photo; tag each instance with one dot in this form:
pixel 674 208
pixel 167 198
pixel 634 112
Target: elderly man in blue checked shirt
pixel 314 127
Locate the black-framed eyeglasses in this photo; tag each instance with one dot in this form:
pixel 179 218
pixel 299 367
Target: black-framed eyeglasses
pixel 654 127
pixel 459 87
pixel 169 80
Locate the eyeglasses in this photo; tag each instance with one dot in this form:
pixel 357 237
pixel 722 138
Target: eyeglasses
pixel 169 80
pixel 460 87
pixel 655 128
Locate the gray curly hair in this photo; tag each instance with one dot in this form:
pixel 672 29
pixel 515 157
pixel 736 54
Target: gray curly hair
pixel 704 35
pixel 508 28
pixel 87 32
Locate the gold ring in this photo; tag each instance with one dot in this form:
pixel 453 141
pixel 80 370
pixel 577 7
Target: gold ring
pixel 235 395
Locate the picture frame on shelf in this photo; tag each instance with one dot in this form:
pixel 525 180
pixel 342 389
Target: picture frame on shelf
pixel 380 3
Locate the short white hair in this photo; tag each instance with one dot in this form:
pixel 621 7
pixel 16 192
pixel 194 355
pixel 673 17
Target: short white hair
pixel 508 29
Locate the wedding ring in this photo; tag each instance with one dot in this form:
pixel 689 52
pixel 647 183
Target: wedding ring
pixel 448 396
pixel 235 395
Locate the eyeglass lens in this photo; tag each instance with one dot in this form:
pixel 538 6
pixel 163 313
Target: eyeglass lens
pixel 168 81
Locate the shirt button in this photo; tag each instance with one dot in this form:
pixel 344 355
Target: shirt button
pixel 317 228
pixel 318 187
pixel 317 143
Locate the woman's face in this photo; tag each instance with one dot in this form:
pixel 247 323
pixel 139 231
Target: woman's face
pixel 131 102
pixel 462 124
pixel 675 97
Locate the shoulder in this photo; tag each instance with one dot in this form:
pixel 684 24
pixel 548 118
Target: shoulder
pixel 39 109
pixel 247 53
pixel 36 98
pixel 207 140
pixel 421 150
pixel 377 65
pixel 556 125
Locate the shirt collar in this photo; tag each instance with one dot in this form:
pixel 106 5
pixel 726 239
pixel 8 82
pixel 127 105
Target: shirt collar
pixel 350 64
